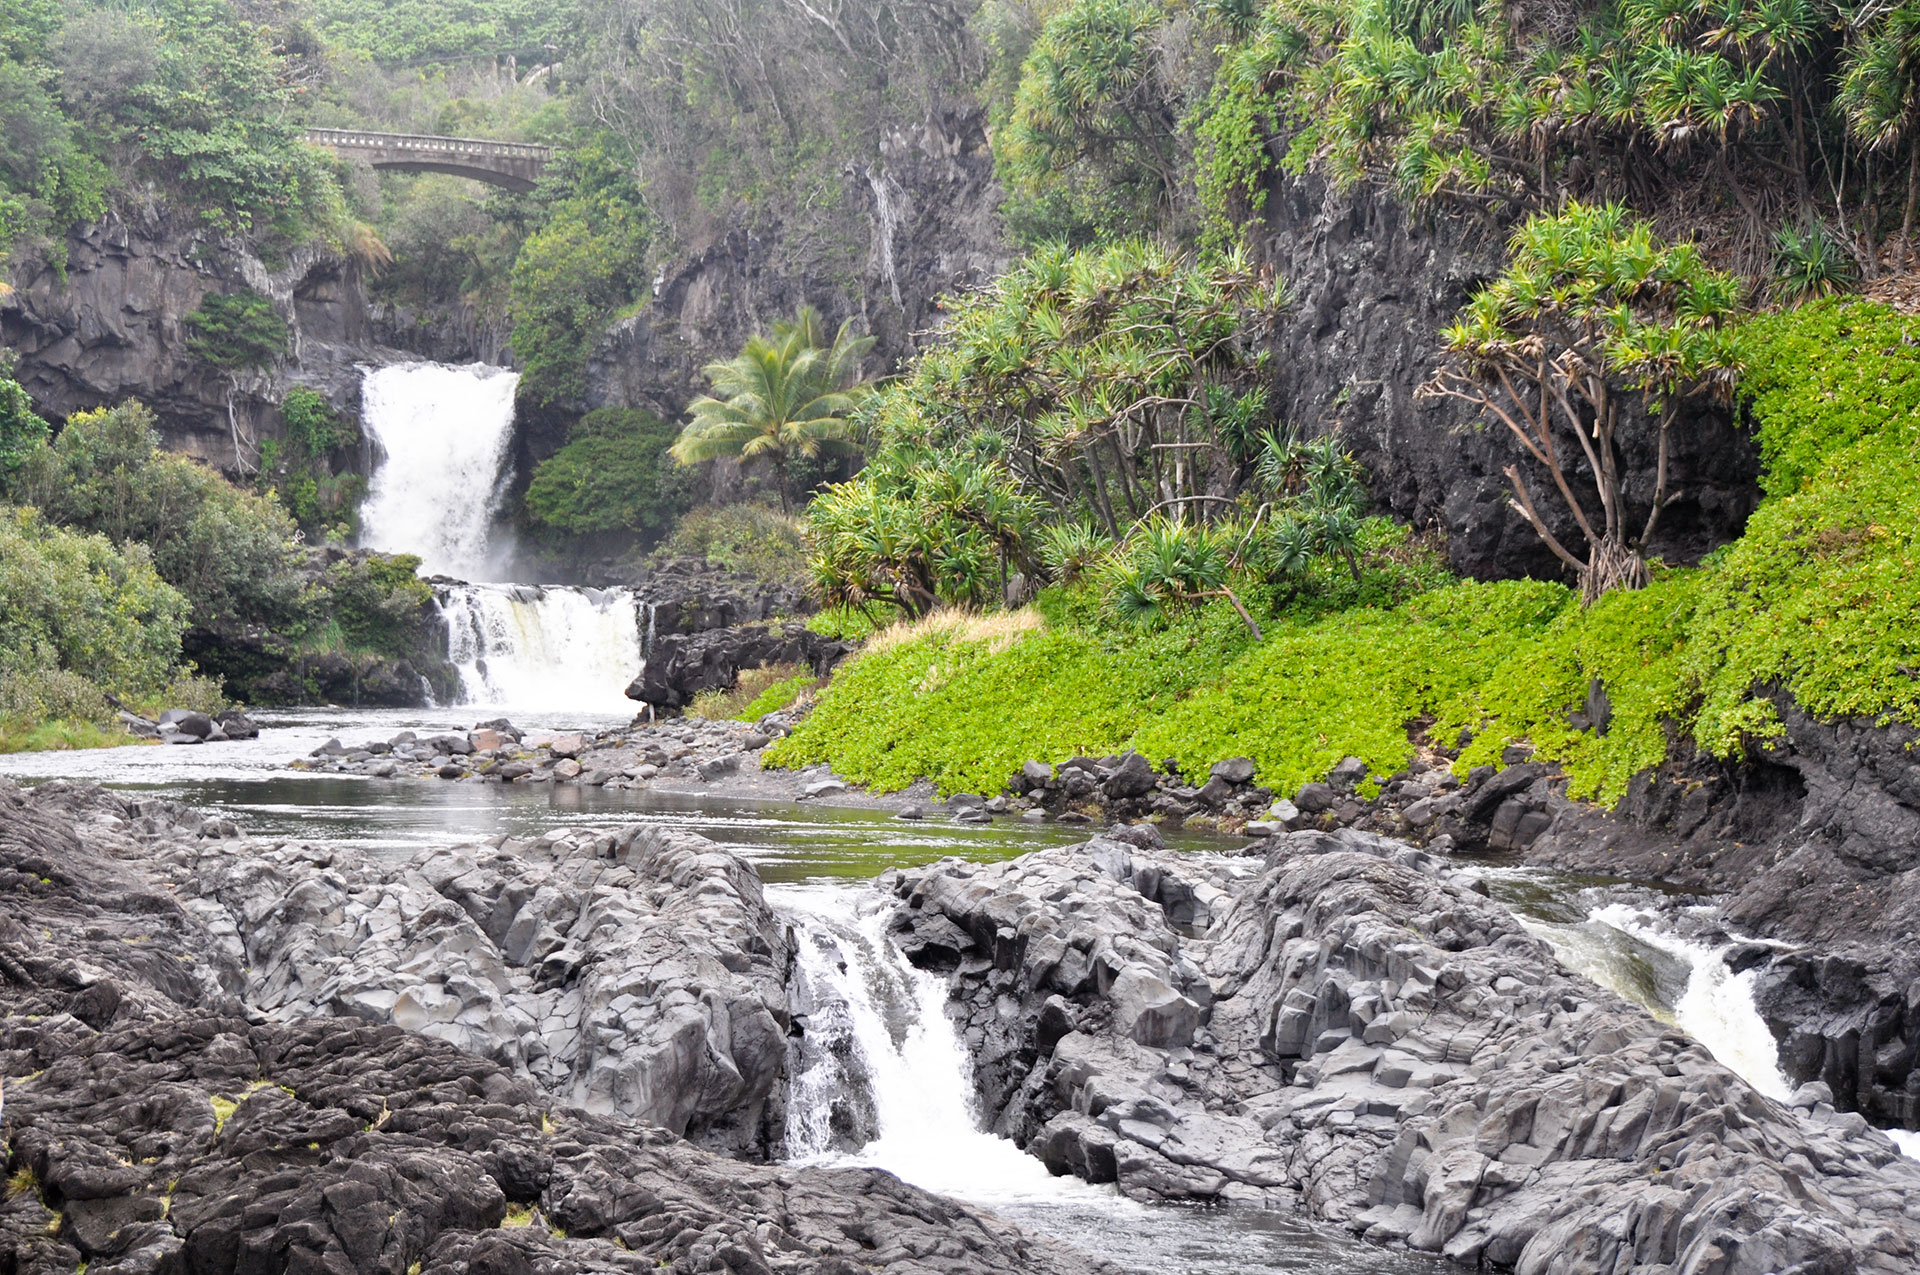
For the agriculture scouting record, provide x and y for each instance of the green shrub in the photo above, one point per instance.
(378, 603)
(20, 430)
(73, 606)
(965, 702)
(231, 552)
(300, 469)
(753, 539)
(241, 330)
(612, 476)
(1823, 375)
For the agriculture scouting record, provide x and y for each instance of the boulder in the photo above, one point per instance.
(1132, 777)
(1347, 774)
(185, 721)
(681, 666)
(1235, 770)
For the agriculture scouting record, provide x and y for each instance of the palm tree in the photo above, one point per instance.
(781, 397)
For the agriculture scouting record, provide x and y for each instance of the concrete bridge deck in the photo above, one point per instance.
(513, 165)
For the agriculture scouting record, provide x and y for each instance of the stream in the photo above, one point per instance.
(894, 1052)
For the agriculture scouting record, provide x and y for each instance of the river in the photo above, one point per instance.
(560, 658)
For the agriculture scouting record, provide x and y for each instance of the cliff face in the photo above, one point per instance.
(920, 224)
(1371, 286)
(111, 326)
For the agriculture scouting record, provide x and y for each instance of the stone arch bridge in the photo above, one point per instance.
(513, 165)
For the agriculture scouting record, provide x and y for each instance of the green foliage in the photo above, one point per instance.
(781, 399)
(302, 471)
(380, 604)
(239, 330)
(751, 539)
(21, 431)
(1631, 644)
(967, 704)
(73, 609)
(1824, 376)
(423, 30)
(847, 624)
(612, 476)
(911, 533)
(1091, 126)
(778, 695)
(229, 551)
(1809, 263)
(585, 260)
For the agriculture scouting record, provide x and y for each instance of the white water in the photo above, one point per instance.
(917, 1069)
(1626, 949)
(444, 434)
(522, 647)
(1907, 1140)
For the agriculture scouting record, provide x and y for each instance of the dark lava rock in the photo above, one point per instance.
(1348, 1027)
(159, 1119)
(680, 666)
(1132, 777)
(186, 722)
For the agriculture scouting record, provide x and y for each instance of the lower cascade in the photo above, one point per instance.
(553, 649)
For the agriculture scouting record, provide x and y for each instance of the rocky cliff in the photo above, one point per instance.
(108, 322)
(1371, 284)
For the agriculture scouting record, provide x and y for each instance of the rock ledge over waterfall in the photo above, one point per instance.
(1350, 1024)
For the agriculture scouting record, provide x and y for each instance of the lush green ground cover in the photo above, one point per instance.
(1820, 598)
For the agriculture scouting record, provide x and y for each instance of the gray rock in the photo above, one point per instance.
(1347, 774)
(1132, 777)
(451, 745)
(452, 770)
(186, 722)
(1038, 774)
(824, 788)
(1235, 770)
(719, 767)
(1288, 1033)
(1314, 798)
(910, 813)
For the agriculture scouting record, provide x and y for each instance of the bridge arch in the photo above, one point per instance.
(511, 165)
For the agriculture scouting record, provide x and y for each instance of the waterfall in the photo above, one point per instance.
(526, 648)
(880, 1076)
(1627, 949)
(443, 435)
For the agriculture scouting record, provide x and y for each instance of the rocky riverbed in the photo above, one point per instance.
(1352, 1026)
(183, 1092)
(573, 1052)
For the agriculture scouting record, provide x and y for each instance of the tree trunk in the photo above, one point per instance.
(1611, 564)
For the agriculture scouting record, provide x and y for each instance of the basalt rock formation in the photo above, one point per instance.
(681, 666)
(167, 1109)
(1351, 1025)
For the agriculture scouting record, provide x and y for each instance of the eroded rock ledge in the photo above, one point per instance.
(1350, 1023)
(168, 1108)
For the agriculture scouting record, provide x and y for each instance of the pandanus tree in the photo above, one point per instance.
(781, 398)
(1592, 318)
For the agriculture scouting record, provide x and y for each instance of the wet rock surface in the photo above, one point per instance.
(158, 1120)
(1351, 1024)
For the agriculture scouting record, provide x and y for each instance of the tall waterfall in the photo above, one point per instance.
(548, 649)
(444, 433)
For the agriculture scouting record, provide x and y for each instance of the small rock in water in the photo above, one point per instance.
(1264, 828)
(911, 812)
(646, 771)
(997, 805)
(972, 814)
(452, 770)
(1033, 816)
(566, 768)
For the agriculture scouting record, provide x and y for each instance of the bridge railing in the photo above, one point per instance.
(467, 147)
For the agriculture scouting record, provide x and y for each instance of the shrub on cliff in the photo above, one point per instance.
(240, 330)
(21, 431)
(612, 477)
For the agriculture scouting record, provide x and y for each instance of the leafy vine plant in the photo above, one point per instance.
(1593, 316)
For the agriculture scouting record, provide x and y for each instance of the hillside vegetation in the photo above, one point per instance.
(1818, 599)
